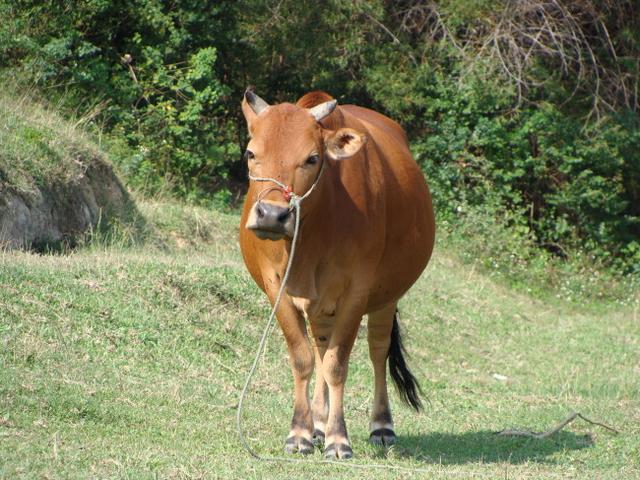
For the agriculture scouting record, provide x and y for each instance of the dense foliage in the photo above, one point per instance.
(525, 109)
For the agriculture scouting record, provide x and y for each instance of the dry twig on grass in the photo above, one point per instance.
(556, 429)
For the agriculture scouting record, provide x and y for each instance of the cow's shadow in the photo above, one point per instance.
(485, 446)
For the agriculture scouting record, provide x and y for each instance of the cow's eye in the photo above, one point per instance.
(312, 160)
(248, 155)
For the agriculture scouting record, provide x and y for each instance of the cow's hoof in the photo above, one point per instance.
(340, 451)
(382, 436)
(318, 437)
(298, 445)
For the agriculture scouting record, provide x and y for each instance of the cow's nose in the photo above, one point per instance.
(270, 220)
(270, 214)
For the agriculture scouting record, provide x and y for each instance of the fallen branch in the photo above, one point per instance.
(556, 429)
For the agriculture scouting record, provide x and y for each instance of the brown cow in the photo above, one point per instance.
(366, 234)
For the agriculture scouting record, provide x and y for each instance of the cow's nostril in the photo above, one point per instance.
(282, 217)
(260, 210)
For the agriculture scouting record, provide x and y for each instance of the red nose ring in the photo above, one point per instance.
(287, 192)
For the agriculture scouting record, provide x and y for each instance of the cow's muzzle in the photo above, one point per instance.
(270, 220)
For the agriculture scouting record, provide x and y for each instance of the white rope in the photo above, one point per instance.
(294, 203)
(294, 200)
(265, 334)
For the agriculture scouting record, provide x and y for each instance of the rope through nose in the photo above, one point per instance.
(287, 190)
(264, 192)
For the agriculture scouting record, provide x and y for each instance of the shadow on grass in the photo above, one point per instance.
(485, 446)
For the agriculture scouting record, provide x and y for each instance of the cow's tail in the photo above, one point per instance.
(405, 382)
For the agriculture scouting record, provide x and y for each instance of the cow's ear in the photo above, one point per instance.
(344, 143)
(252, 106)
(249, 114)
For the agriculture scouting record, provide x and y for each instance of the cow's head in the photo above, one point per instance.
(288, 144)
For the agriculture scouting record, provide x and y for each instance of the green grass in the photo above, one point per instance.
(38, 146)
(127, 363)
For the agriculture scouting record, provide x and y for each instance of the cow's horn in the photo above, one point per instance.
(322, 110)
(257, 104)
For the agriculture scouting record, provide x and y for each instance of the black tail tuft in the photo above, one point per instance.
(405, 382)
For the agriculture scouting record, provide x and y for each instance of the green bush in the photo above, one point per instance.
(147, 72)
(571, 186)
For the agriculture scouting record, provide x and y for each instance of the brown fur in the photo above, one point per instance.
(312, 99)
(367, 232)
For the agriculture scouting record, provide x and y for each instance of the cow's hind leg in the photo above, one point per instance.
(379, 328)
(321, 332)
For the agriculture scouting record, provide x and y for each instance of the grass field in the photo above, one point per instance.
(39, 147)
(126, 362)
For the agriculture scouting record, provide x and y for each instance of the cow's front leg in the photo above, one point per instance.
(335, 365)
(301, 361)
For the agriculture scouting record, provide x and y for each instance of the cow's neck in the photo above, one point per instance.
(312, 250)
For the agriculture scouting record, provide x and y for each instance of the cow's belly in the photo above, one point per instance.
(405, 257)
(394, 282)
